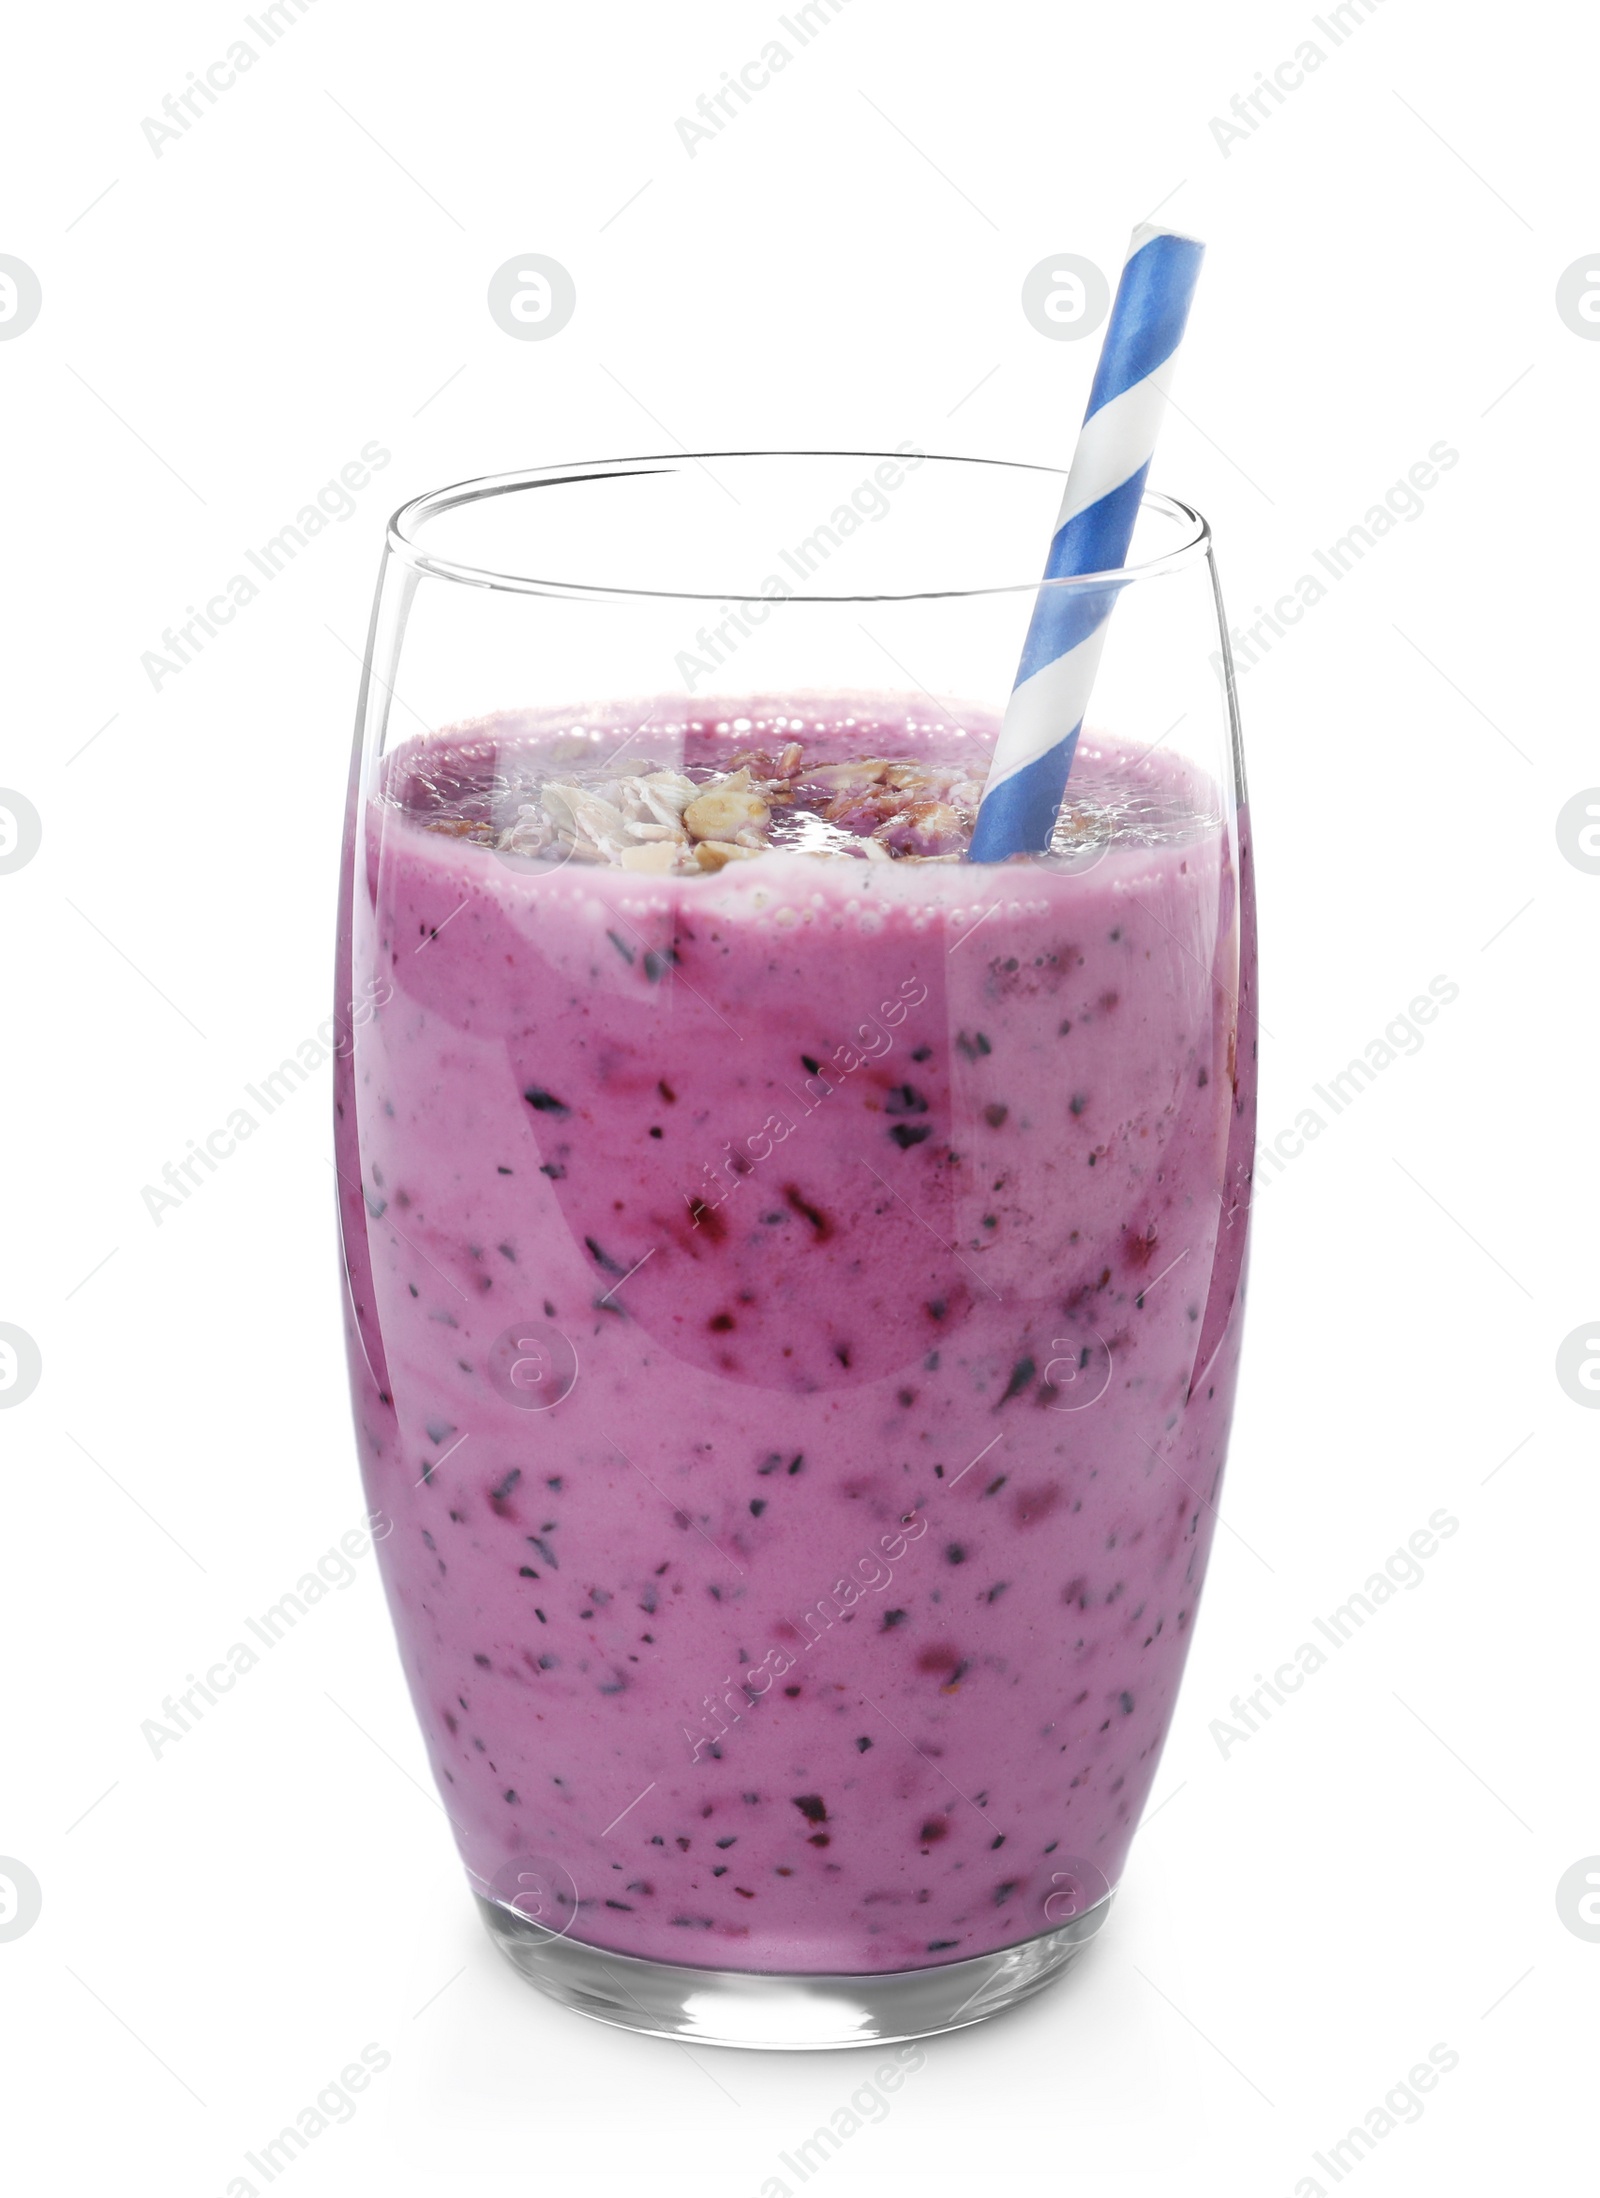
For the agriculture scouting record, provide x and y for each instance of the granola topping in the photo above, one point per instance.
(666, 820)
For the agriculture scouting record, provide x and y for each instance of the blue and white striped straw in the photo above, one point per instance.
(1033, 755)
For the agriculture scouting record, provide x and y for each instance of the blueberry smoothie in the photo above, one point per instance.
(795, 1283)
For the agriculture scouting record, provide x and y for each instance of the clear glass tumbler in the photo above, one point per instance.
(794, 1274)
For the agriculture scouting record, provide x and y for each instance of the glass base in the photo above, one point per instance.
(794, 2014)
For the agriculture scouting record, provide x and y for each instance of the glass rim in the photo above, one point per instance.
(401, 542)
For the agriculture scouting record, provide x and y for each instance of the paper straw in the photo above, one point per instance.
(1033, 755)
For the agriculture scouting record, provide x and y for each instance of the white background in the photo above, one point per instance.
(1371, 1874)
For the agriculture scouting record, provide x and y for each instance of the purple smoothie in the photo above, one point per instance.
(795, 1316)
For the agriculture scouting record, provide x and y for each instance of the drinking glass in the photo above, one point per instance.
(793, 1303)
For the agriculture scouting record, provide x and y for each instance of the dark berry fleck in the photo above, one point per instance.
(1021, 1374)
(807, 1212)
(905, 1099)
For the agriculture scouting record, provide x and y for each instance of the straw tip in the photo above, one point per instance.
(1148, 230)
